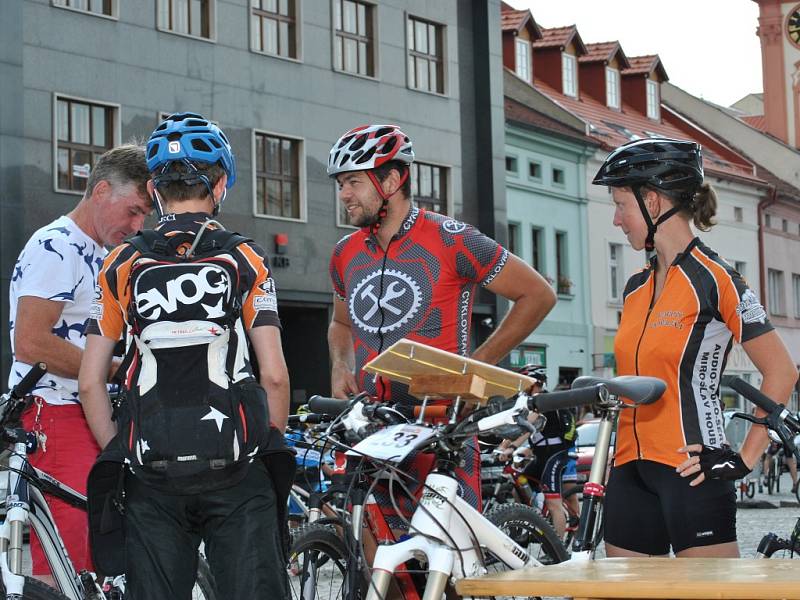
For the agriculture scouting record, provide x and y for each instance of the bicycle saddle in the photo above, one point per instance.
(638, 389)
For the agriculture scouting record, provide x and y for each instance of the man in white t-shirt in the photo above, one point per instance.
(52, 288)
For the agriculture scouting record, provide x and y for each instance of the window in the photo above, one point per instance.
(784, 226)
(187, 17)
(537, 237)
(425, 56)
(354, 41)
(511, 164)
(273, 25)
(563, 282)
(767, 220)
(523, 62)
(612, 87)
(429, 186)
(741, 267)
(84, 131)
(97, 7)
(737, 214)
(569, 75)
(653, 101)
(534, 170)
(277, 170)
(775, 291)
(513, 238)
(558, 176)
(796, 294)
(615, 272)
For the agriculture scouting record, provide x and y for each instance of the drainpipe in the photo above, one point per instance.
(771, 199)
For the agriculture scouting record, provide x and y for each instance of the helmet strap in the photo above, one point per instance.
(157, 203)
(649, 243)
(384, 210)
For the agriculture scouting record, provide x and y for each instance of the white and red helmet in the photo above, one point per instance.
(369, 146)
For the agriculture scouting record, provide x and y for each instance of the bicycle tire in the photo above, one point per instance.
(779, 545)
(526, 526)
(204, 588)
(36, 590)
(751, 490)
(315, 547)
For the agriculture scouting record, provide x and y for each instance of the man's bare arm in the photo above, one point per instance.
(533, 298)
(93, 391)
(274, 375)
(34, 340)
(340, 346)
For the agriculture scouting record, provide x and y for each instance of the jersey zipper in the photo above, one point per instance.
(638, 345)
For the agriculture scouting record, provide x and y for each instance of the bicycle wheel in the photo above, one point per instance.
(772, 546)
(35, 590)
(318, 568)
(204, 586)
(530, 530)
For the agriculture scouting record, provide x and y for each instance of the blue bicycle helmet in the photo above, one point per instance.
(189, 138)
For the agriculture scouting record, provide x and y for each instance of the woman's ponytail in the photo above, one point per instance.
(704, 206)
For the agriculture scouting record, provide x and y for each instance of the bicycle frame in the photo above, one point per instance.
(444, 528)
(26, 503)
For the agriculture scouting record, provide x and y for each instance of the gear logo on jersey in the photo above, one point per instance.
(170, 289)
(750, 308)
(452, 226)
(96, 309)
(385, 305)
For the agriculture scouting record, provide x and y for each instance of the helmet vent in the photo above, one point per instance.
(389, 145)
(200, 145)
(345, 141)
(367, 156)
(358, 142)
(345, 159)
(153, 151)
(214, 143)
(195, 123)
(174, 136)
(384, 131)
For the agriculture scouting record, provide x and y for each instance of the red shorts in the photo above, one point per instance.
(71, 452)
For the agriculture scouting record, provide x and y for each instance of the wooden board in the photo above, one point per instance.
(646, 578)
(405, 359)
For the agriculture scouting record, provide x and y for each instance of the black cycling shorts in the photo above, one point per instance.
(649, 508)
(548, 468)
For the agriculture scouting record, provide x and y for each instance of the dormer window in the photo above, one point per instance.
(569, 75)
(653, 100)
(523, 62)
(612, 88)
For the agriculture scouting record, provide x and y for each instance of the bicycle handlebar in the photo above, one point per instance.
(565, 398)
(755, 395)
(332, 407)
(32, 377)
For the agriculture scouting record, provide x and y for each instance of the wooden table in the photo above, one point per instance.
(646, 578)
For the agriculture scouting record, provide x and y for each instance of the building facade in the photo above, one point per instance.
(283, 80)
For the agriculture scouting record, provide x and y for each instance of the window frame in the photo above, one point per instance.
(776, 293)
(740, 267)
(796, 294)
(653, 109)
(212, 23)
(538, 258)
(616, 263)
(513, 240)
(562, 262)
(563, 171)
(116, 131)
(447, 169)
(372, 19)
(538, 164)
(613, 88)
(738, 214)
(529, 59)
(515, 159)
(114, 16)
(572, 60)
(298, 34)
(441, 33)
(301, 176)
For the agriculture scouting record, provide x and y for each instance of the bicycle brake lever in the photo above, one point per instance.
(522, 420)
(751, 418)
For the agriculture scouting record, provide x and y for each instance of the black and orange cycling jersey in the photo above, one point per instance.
(683, 337)
(113, 294)
(421, 288)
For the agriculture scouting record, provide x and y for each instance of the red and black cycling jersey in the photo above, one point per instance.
(421, 288)
(683, 337)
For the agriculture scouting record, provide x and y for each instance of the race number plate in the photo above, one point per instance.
(393, 443)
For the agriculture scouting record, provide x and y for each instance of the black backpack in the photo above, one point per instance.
(193, 417)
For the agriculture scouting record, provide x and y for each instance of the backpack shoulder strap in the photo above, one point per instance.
(221, 239)
(148, 241)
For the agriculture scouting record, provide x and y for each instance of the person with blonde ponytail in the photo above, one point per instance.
(671, 487)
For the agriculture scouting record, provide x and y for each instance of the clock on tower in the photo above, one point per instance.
(793, 26)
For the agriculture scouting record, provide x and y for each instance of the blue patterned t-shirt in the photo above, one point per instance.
(59, 262)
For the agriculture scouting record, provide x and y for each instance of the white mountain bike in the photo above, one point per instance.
(26, 505)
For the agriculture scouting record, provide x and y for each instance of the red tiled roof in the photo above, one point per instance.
(559, 36)
(604, 51)
(514, 20)
(756, 121)
(613, 128)
(516, 111)
(645, 65)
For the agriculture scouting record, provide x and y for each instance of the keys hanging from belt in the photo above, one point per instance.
(41, 436)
